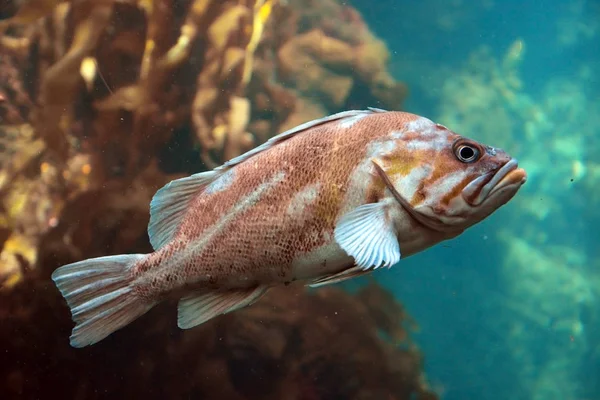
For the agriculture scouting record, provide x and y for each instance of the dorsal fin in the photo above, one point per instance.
(291, 132)
(169, 204)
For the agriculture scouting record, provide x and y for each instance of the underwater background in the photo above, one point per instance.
(102, 103)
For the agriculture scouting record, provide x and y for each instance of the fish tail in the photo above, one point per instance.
(100, 295)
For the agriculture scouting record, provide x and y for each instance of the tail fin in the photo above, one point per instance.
(99, 294)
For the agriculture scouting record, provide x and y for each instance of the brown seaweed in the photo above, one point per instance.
(291, 345)
(101, 103)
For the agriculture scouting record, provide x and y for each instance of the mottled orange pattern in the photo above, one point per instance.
(261, 240)
(244, 235)
(326, 201)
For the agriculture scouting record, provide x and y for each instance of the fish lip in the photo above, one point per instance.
(514, 176)
(508, 174)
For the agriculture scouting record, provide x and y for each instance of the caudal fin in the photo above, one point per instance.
(99, 294)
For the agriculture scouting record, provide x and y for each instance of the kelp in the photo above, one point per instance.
(104, 101)
(324, 344)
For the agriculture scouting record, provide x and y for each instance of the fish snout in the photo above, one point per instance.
(507, 178)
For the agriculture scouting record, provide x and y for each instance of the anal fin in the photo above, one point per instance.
(198, 308)
(346, 274)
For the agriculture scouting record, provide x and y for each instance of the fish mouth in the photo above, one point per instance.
(509, 175)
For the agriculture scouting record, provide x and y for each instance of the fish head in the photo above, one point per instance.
(445, 181)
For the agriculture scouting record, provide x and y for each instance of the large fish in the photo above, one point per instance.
(329, 200)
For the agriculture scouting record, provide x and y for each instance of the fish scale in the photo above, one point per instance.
(299, 172)
(329, 200)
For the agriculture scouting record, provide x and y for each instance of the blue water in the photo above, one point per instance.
(510, 308)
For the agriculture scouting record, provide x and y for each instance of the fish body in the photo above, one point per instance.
(323, 202)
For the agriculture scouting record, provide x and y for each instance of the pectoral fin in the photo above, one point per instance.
(367, 234)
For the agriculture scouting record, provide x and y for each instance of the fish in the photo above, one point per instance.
(329, 200)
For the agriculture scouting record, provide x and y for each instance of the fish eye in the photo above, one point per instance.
(466, 153)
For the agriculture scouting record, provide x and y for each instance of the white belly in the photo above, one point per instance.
(322, 261)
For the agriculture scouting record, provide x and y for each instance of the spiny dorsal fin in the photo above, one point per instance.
(291, 132)
(169, 204)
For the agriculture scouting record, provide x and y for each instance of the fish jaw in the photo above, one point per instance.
(503, 192)
(509, 178)
(511, 182)
(486, 194)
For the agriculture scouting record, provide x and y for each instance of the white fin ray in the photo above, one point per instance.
(375, 109)
(367, 234)
(169, 204)
(99, 294)
(298, 129)
(339, 277)
(196, 309)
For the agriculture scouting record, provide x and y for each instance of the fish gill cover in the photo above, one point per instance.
(101, 103)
